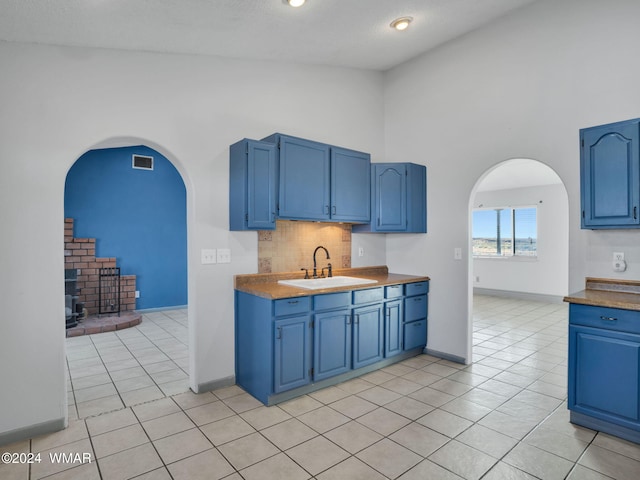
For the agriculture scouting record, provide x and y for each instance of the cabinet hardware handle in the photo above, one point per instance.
(279, 336)
(417, 299)
(348, 318)
(417, 324)
(608, 319)
(357, 319)
(635, 213)
(292, 302)
(327, 209)
(333, 210)
(273, 216)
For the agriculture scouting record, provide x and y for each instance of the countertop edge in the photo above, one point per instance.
(604, 298)
(273, 291)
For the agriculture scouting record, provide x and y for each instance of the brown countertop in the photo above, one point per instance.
(603, 292)
(266, 284)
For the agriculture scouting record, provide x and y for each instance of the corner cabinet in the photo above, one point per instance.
(610, 175)
(253, 175)
(321, 182)
(398, 199)
(604, 370)
(288, 347)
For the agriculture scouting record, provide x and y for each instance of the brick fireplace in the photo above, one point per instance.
(80, 254)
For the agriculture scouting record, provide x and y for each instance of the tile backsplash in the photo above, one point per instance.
(290, 246)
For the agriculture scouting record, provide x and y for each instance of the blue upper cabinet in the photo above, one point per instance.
(304, 178)
(321, 182)
(350, 185)
(398, 199)
(610, 175)
(253, 174)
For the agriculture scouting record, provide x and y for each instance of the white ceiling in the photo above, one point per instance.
(518, 173)
(352, 33)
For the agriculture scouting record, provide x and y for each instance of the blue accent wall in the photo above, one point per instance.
(137, 216)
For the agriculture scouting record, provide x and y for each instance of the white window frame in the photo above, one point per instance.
(512, 255)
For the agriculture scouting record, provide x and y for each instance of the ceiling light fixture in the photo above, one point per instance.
(296, 3)
(401, 23)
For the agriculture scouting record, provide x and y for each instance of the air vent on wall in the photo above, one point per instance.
(142, 162)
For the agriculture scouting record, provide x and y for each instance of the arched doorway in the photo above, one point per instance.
(518, 234)
(132, 199)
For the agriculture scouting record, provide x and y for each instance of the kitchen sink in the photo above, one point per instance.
(327, 282)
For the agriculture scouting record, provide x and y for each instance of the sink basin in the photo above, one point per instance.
(328, 282)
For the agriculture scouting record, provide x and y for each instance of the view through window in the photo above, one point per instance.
(505, 232)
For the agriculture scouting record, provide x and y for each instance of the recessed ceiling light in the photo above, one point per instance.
(401, 23)
(296, 3)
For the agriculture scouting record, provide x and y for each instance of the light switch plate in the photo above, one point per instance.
(224, 255)
(208, 256)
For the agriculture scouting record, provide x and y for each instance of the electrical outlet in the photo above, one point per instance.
(208, 256)
(457, 253)
(224, 255)
(618, 256)
(360, 251)
(137, 293)
(477, 279)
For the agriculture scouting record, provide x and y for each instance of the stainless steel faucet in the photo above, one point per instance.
(315, 271)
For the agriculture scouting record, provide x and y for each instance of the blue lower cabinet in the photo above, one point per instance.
(415, 334)
(292, 347)
(331, 344)
(604, 370)
(368, 335)
(393, 333)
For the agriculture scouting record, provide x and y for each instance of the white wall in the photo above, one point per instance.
(545, 274)
(57, 103)
(520, 88)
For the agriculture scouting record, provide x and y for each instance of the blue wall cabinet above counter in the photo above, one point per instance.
(398, 199)
(610, 175)
(253, 177)
(321, 182)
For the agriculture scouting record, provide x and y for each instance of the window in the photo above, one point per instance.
(505, 232)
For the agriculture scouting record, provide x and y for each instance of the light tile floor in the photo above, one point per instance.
(503, 417)
(114, 370)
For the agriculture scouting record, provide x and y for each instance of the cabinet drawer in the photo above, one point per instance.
(608, 318)
(369, 295)
(415, 334)
(393, 291)
(331, 300)
(417, 288)
(415, 308)
(290, 306)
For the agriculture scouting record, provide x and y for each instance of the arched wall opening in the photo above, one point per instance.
(147, 210)
(509, 187)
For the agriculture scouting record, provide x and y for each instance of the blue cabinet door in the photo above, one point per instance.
(331, 344)
(604, 375)
(292, 351)
(253, 175)
(390, 197)
(350, 185)
(398, 199)
(368, 335)
(393, 333)
(610, 175)
(304, 179)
